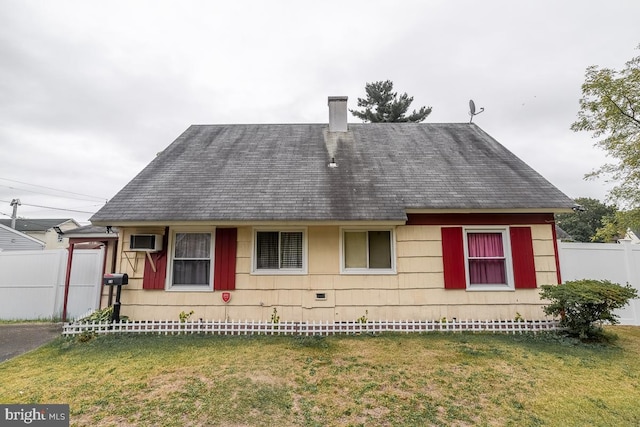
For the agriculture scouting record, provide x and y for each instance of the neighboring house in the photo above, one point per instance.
(334, 222)
(563, 235)
(633, 235)
(13, 240)
(43, 229)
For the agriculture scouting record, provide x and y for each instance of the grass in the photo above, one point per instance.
(429, 379)
(34, 321)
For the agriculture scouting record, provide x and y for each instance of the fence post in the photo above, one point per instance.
(633, 276)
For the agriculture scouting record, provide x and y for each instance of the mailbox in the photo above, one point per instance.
(115, 279)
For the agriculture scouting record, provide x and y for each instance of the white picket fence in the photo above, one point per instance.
(307, 328)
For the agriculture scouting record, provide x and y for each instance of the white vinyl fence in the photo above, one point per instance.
(617, 262)
(32, 283)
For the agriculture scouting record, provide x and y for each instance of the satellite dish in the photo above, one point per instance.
(472, 110)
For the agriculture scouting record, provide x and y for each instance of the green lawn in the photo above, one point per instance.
(429, 379)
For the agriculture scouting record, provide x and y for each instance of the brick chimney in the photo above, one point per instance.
(337, 114)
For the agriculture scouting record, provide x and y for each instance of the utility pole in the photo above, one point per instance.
(15, 203)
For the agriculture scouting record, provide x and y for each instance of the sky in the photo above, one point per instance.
(91, 91)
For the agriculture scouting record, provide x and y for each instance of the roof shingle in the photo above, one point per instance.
(280, 172)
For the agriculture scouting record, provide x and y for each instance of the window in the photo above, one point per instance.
(486, 261)
(191, 262)
(185, 261)
(367, 250)
(279, 251)
(488, 258)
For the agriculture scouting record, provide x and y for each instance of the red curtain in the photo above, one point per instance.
(486, 258)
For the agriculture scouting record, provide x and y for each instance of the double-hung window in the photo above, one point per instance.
(191, 259)
(486, 254)
(279, 251)
(367, 251)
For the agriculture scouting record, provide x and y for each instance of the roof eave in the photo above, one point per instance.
(254, 223)
(492, 210)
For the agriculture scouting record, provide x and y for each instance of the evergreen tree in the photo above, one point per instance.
(384, 105)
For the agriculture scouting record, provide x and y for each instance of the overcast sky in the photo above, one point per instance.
(90, 91)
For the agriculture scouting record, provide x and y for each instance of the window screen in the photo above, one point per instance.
(367, 249)
(279, 250)
(379, 249)
(267, 250)
(291, 250)
(355, 249)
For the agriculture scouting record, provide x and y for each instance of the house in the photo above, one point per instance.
(563, 235)
(14, 240)
(633, 236)
(44, 229)
(331, 222)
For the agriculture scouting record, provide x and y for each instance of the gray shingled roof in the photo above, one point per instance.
(37, 224)
(281, 172)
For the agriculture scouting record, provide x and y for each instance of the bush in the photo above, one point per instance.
(582, 303)
(101, 316)
(98, 316)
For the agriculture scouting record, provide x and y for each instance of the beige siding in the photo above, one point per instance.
(415, 291)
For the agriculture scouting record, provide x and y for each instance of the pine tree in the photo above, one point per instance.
(384, 105)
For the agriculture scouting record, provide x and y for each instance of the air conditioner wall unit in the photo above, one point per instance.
(145, 242)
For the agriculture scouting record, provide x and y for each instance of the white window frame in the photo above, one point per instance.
(169, 286)
(368, 271)
(506, 243)
(279, 271)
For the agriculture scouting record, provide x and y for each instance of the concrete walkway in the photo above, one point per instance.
(16, 339)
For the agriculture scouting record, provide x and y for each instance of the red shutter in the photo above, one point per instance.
(155, 279)
(524, 269)
(453, 258)
(224, 276)
(555, 252)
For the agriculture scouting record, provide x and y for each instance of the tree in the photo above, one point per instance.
(615, 226)
(583, 225)
(610, 109)
(384, 105)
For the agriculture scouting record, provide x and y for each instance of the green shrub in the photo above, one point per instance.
(101, 316)
(98, 316)
(275, 318)
(582, 303)
(363, 318)
(184, 316)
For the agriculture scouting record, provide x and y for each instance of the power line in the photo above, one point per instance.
(58, 209)
(45, 194)
(52, 208)
(54, 189)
